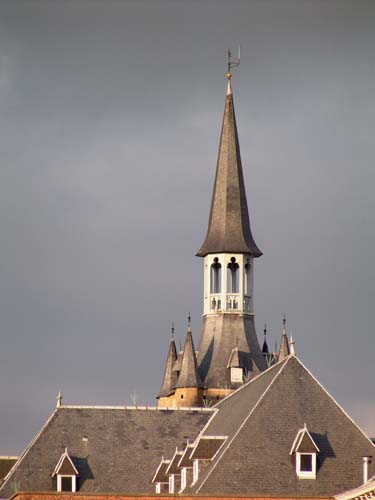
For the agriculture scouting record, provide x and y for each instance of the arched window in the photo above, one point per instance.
(232, 276)
(215, 277)
(247, 283)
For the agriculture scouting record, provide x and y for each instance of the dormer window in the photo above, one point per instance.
(66, 473)
(304, 451)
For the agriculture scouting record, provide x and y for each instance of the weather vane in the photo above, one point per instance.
(233, 64)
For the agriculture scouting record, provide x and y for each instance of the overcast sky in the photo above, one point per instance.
(110, 115)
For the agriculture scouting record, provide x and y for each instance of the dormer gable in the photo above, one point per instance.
(305, 451)
(66, 473)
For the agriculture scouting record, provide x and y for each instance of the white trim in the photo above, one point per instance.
(285, 361)
(197, 441)
(61, 460)
(183, 479)
(171, 461)
(304, 474)
(59, 483)
(195, 471)
(336, 403)
(158, 488)
(28, 447)
(217, 405)
(183, 453)
(171, 484)
(159, 466)
(360, 490)
(298, 440)
(154, 408)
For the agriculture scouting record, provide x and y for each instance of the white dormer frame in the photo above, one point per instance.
(301, 471)
(306, 474)
(60, 477)
(195, 471)
(59, 482)
(171, 484)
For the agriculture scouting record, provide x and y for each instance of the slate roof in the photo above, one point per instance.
(161, 475)
(262, 419)
(189, 374)
(220, 335)
(170, 376)
(185, 460)
(114, 449)
(206, 447)
(229, 223)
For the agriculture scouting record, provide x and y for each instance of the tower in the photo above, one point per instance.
(228, 352)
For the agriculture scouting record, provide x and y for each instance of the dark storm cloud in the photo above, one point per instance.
(109, 125)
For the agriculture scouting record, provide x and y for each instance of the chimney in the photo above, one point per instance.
(365, 461)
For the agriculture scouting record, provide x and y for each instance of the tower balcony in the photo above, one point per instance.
(229, 302)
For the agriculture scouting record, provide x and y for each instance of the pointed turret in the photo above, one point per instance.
(229, 225)
(265, 346)
(170, 377)
(284, 350)
(189, 375)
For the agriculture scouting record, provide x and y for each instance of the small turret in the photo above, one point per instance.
(170, 377)
(188, 388)
(265, 346)
(284, 350)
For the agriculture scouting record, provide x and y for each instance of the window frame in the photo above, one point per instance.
(304, 474)
(59, 483)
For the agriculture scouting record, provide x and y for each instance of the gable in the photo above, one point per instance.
(65, 467)
(256, 461)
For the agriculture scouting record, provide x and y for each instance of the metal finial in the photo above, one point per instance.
(172, 331)
(232, 64)
(189, 323)
(58, 399)
(284, 321)
(265, 329)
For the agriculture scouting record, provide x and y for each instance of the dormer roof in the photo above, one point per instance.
(304, 443)
(206, 447)
(161, 475)
(173, 467)
(185, 460)
(65, 466)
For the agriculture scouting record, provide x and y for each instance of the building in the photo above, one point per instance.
(228, 349)
(273, 430)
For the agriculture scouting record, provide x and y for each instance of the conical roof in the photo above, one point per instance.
(189, 375)
(229, 224)
(170, 377)
(284, 350)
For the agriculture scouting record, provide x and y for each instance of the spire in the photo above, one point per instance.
(229, 225)
(284, 343)
(189, 375)
(169, 378)
(265, 346)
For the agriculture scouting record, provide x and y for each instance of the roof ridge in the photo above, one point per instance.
(249, 382)
(334, 400)
(227, 445)
(151, 408)
(27, 449)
